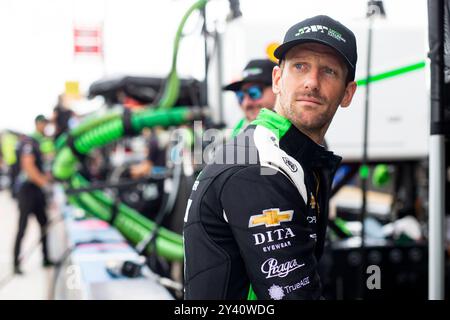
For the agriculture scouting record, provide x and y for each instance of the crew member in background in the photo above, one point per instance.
(30, 184)
(254, 91)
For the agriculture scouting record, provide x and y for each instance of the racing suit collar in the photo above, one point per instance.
(295, 142)
(271, 120)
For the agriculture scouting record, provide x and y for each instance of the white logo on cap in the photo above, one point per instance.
(319, 28)
(251, 72)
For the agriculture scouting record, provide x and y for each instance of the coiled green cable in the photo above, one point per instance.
(99, 136)
(148, 224)
(65, 161)
(98, 132)
(94, 121)
(134, 226)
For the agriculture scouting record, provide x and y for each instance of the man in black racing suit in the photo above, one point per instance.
(256, 219)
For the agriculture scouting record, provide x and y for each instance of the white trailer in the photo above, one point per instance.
(399, 98)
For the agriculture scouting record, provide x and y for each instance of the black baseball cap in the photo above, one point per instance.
(259, 70)
(41, 118)
(325, 30)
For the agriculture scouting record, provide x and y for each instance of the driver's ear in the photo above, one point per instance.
(276, 76)
(348, 95)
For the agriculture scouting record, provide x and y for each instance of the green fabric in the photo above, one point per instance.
(46, 145)
(271, 120)
(238, 127)
(37, 136)
(8, 144)
(251, 294)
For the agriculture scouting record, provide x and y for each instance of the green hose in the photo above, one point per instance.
(134, 232)
(88, 124)
(74, 201)
(94, 121)
(61, 142)
(172, 87)
(65, 164)
(148, 224)
(65, 161)
(163, 118)
(100, 131)
(99, 136)
(134, 226)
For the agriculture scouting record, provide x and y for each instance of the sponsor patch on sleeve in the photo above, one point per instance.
(270, 218)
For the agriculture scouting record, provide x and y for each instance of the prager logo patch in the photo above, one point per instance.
(271, 268)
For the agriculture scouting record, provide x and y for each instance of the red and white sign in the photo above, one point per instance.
(88, 40)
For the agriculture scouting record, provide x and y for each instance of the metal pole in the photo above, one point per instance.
(366, 132)
(437, 173)
(436, 218)
(364, 170)
(219, 66)
(204, 90)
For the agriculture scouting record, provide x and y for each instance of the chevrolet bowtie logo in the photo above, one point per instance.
(270, 218)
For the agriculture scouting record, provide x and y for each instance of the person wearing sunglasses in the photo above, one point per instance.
(256, 219)
(253, 91)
